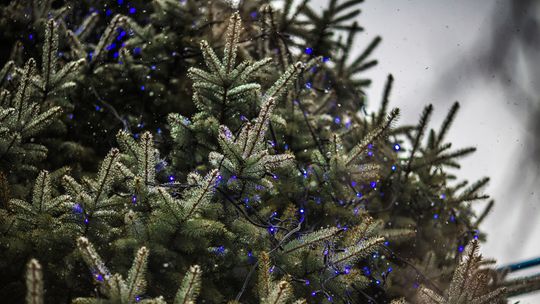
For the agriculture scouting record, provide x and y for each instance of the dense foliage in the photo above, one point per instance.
(203, 150)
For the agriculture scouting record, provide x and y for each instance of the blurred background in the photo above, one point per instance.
(486, 55)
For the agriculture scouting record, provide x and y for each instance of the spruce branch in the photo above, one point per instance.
(372, 137)
(113, 286)
(190, 288)
(246, 156)
(468, 285)
(34, 283)
(45, 208)
(447, 123)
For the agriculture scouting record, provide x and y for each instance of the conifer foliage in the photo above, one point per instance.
(212, 153)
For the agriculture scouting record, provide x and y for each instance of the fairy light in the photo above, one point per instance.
(77, 208)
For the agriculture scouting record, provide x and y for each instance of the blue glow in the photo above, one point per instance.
(397, 147)
(220, 250)
(137, 51)
(394, 168)
(366, 270)
(373, 184)
(460, 248)
(436, 216)
(111, 46)
(308, 51)
(132, 10)
(77, 208)
(143, 88)
(309, 85)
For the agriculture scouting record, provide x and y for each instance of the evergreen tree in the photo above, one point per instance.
(228, 150)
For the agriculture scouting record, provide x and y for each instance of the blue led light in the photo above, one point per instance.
(308, 51)
(77, 208)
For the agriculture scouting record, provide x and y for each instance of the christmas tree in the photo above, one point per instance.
(201, 151)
